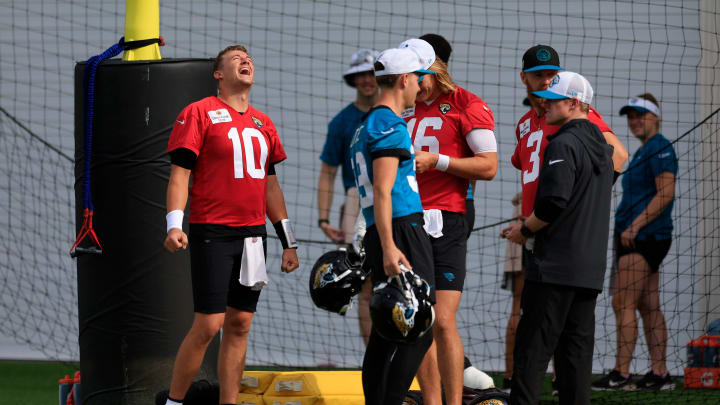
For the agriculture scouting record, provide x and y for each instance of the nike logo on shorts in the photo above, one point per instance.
(181, 122)
(552, 162)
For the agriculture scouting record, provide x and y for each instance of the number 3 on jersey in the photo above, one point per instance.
(252, 170)
(531, 175)
(363, 181)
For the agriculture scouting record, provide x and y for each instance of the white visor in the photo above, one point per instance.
(422, 48)
(640, 104)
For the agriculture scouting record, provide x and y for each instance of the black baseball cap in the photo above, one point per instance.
(440, 45)
(541, 57)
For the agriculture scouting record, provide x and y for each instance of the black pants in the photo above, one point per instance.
(388, 367)
(555, 319)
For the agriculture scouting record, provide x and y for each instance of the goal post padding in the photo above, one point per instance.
(134, 300)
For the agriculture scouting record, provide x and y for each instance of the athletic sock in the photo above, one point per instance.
(626, 376)
(171, 401)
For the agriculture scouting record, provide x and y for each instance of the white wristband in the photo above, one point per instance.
(443, 162)
(174, 219)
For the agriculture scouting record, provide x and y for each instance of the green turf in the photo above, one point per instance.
(32, 382)
(680, 395)
(36, 383)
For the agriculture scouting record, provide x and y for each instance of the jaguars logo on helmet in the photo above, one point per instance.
(404, 318)
(320, 280)
(400, 308)
(335, 279)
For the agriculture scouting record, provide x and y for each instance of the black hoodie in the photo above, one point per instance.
(574, 192)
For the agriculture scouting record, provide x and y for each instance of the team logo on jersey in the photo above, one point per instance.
(543, 55)
(257, 122)
(444, 108)
(524, 127)
(409, 112)
(555, 81)
(218, 116)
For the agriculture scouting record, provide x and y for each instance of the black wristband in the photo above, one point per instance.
(283, 234)
(526, 232)
(322, 221)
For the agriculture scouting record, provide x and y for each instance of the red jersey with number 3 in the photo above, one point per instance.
(441, 127)
(233, 155)
(531, 133)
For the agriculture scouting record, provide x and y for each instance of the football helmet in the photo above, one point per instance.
(401, 309)
(335, 279)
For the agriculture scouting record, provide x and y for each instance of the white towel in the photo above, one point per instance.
(252, 267)
(433, 222)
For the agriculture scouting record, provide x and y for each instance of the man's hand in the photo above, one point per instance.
(335, 234)
(513, 233)
(289, 260)
(627, 238)
(425, 161)
(391, 258)
(175, 240)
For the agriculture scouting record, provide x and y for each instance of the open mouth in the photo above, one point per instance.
(245, 71)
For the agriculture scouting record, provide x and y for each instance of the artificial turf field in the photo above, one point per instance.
(35, 383)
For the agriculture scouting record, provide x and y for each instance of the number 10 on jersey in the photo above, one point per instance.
(247, 135)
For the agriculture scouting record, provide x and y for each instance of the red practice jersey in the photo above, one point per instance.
(233, 155)
(440, 127)
(531, 133)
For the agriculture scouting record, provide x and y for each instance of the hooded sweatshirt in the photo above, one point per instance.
(574, 192)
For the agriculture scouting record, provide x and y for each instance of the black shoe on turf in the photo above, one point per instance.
(613, 381)
(555, 390)
(650, 381)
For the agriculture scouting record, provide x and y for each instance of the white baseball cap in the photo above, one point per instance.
(397, 61)
(568, 85)
(360, 61)
(422, 48)
(640, 104)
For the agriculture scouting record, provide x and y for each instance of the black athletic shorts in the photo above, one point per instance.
(469, 215)
(654, 251)
(215, 268)
(450, 251)
(412, 240)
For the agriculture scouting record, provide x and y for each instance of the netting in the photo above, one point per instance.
(301, 48)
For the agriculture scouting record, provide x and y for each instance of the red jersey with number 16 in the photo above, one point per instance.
(441, 127)
(531, 133)
(233, 154)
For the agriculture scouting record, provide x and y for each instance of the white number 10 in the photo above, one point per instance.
(248, 134)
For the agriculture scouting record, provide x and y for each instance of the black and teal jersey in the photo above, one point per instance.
(381, 134)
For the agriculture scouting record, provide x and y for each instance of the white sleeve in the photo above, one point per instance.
(481, 141)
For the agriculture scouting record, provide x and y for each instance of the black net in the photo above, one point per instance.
(300, 49)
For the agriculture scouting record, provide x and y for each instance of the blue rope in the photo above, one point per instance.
(89, 84)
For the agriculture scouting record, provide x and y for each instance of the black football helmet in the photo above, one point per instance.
(335, 279)
(401, 309)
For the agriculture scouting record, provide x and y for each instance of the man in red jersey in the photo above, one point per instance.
(231, 150)
(541, 64)
(452, 132)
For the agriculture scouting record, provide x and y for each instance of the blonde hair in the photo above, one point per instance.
(442, 76)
